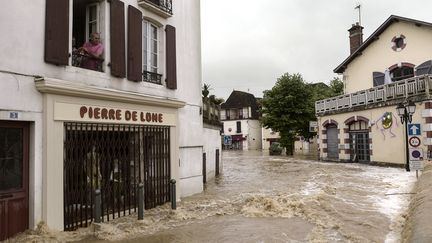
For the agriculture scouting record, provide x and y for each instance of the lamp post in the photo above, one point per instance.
(405, 111)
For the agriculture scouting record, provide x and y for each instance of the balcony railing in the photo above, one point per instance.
(161, 7)
(419, 85)
(211, 112)
(85, 61)
(155, 78)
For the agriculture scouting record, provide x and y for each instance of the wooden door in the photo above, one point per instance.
(14, 150)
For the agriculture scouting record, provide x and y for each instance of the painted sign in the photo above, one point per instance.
(414, 141)
(414, 129)
(95, 113)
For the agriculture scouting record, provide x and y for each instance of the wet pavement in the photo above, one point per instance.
(261, 198)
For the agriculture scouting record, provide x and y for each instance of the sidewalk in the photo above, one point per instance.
(418, 227)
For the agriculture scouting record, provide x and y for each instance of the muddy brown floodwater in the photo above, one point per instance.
(261, 198)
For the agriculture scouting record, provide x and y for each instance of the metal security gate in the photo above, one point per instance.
(359, 146)
(115, 159)
(332, 142)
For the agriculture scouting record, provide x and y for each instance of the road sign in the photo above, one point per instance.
(416, 165)
(415, 154)
(414, 141)
(414, 129)
(313, 126)
(227, 140)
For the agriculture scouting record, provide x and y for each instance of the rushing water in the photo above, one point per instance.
(261, 198)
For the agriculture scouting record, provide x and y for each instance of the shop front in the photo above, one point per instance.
(106, 142)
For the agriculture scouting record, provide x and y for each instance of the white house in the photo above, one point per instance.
(392, 67)
(67, 130)
(240, 118)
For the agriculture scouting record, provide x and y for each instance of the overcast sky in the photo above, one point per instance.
(248, 44)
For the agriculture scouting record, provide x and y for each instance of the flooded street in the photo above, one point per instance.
(261, 198)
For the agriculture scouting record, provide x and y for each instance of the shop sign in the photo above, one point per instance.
(94, 113)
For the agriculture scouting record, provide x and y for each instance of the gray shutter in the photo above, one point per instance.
(171, 62)
(117, 36)
(378, 78)
(134, 63)
(57, 32)
(424, 68)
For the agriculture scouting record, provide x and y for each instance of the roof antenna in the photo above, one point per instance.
(359, 10)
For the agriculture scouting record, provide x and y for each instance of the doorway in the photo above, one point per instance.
(332, 142)
(14, 199)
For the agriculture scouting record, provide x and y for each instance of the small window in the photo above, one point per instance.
(151, 72)
(238, 127)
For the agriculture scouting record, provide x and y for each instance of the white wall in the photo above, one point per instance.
(254, 135)
(211, 143)
(267, 133)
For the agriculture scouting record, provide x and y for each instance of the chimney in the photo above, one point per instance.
(356, 37)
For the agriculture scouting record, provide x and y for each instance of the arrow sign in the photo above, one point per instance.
(414, 129)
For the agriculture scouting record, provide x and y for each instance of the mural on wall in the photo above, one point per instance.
(385, 123)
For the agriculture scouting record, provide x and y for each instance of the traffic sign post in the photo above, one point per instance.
(414, 129)
(414, 142)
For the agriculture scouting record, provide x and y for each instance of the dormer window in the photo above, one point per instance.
(402, 72)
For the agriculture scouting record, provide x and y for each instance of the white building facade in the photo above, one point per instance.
(240, 118)
(68, 129)
(390, 68)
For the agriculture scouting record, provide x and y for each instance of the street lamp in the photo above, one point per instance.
(405, 111)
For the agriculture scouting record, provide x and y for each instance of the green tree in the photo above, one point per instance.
(337, 86)
(288, 107)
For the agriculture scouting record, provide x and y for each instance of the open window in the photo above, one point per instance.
(87, 36)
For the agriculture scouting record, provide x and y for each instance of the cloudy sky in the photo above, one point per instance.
(248, 44)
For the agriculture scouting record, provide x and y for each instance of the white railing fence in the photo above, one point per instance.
(400, 89)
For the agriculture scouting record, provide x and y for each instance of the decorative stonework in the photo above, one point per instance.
(427, 115)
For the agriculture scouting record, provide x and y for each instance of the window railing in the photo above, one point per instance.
(151, 77)
(419, 85)
(164, 5)
(88, 62)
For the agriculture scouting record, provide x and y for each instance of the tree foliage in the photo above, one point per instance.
(289, 106)
(337, 86)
